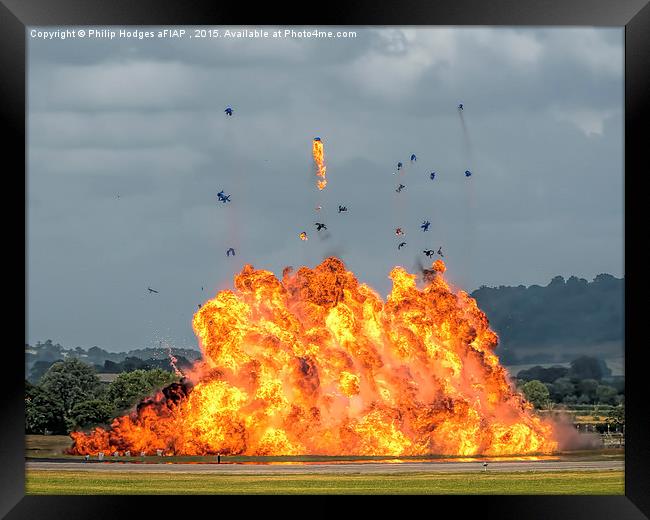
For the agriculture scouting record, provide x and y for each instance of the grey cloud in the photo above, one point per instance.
(145, 120)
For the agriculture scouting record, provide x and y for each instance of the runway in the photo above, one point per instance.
(339, 468)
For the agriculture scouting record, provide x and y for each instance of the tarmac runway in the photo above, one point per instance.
(340, 468)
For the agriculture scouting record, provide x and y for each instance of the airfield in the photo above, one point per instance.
(596, 472)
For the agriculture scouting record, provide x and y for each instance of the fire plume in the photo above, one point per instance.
(318, 363)
(319, 159)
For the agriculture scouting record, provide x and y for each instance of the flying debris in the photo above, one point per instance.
(342, 208)
(460, 106)
(118, 195)
(440, 251)
(401, 245)
(198, 306)
(432, 175)
(429, 252)
(425, 225)
(229, 251)
(398, 231)
(228, 110)
(400, 188)
(319, 159)
(399, 166)
(303, 236)
(221, 196)
(320, 226)
(318, 208)
(468, 173)
(413, 158)
(151, 290)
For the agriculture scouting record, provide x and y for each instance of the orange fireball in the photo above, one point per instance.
(318, 363)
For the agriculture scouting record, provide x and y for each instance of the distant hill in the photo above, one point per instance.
(548, 324)
(41, 355)
(557, 322)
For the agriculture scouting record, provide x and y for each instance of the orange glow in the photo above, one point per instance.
(318, 363)
(319, 159)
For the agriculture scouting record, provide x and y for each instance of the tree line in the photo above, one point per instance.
(541, 324)
(586, 381)
(70, 396)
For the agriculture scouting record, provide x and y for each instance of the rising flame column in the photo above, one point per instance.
(317, 152)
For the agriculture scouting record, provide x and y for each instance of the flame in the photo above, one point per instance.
(318, 363)
(303, 236)
(173, 360)
(319, 159)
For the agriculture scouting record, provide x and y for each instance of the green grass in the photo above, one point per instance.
(122, 483)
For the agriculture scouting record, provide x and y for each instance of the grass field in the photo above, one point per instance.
(529, 483)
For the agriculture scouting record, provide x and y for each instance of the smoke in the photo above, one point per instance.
(467, 145)
(569, 439)
(418, 265)
(467, 251)
(324, 237)
(337, 251)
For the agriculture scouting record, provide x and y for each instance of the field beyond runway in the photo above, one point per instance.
(55, 482)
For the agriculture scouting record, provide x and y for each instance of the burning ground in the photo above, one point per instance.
(317, 363)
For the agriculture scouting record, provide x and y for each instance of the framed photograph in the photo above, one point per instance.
(380, 252)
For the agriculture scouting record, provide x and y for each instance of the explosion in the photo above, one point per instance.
(318, 363)
(319, 159)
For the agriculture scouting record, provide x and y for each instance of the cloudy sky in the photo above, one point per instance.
(144, 119)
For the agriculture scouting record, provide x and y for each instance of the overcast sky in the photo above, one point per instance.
(144, 119)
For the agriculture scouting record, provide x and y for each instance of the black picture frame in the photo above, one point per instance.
(634, 15)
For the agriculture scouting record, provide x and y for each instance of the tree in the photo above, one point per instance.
(39, 368)
(536, 393)
(129, 388)
(111, 367)
(70, 382)
(584, 399)
(570, 399)
(42, 412)
(606, 394)
(90, 413)
(589, 389)
(131, 364)
(561, 389)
